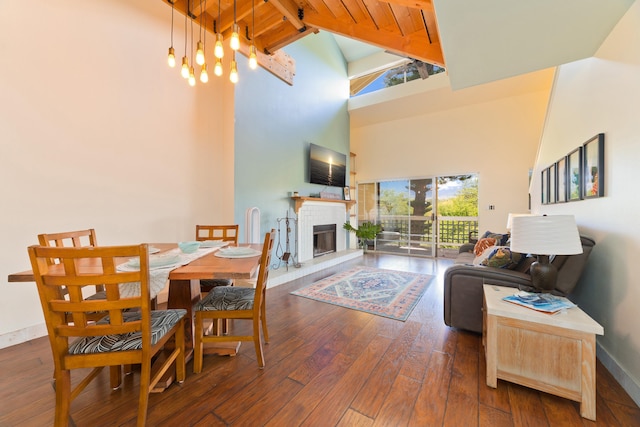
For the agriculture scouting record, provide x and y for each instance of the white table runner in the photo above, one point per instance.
(158, 276)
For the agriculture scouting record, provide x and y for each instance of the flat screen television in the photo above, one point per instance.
(327, 167)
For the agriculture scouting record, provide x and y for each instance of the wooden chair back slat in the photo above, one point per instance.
(225, 233)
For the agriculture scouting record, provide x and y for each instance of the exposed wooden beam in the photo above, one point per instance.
(279, 64)
(277, 40)
(290, 11)
(415, 45)
(415, 4)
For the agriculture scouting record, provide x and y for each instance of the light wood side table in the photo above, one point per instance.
(554, 353)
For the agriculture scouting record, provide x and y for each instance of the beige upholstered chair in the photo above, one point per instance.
(131, 333)
(235, 302)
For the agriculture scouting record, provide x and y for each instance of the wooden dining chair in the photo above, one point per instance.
(235, 302)
(131, 333)
(76, 239)
(224, 233)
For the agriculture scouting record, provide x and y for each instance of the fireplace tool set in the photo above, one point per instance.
(284, 255)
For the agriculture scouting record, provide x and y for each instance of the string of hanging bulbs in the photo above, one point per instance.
(187, 71)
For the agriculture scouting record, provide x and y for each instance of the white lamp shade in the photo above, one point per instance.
(511, 216)
(545, 235)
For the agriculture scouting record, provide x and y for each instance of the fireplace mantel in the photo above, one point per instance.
(300, 200)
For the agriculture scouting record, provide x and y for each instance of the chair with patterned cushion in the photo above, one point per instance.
(237, 303)
(131, 333)
(222, 233)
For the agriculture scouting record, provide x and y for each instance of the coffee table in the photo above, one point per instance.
(554, 353)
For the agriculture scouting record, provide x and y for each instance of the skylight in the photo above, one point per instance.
(392, 76)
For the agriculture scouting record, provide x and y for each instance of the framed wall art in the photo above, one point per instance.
(593, 171)
(561, 171)
(545, 186)
(574, 174)
(347, 193)
(552, 184)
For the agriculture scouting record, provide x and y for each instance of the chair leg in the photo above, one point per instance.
(257, 342)
(197, 346)
(263, 315)
(181, 373)
(115, 376)
(143, 401)
(63, 398)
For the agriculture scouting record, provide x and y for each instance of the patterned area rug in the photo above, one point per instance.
(386, 293)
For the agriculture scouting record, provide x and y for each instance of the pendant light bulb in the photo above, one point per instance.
(171, 58)
(192, 77)
(253, 57)
(218, 50)
(185, 67)
(199, 54)
(233, 75)
(204, 75)
(235, 37)
(217, 70)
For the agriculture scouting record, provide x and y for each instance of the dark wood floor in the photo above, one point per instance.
(326, 366)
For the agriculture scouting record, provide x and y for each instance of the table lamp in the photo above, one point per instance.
(513, 215)
(544, 236)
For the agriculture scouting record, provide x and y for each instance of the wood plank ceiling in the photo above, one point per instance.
(404, 27)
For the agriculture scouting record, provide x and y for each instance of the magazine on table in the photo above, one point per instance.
(542, 302)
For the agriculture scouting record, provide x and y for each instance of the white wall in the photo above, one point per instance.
(98, 132)
(602, 94)
(274, 124)
(477, 132)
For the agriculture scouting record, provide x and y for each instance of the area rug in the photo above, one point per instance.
(386, 293)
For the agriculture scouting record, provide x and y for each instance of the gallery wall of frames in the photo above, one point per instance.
(577, 176)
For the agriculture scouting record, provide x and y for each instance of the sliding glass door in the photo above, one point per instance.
(457, 208)
(406, 211)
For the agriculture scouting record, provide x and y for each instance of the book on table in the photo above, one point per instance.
(544, 302)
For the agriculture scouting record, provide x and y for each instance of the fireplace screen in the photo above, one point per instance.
(324, 239)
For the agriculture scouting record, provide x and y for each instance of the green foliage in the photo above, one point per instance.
(464, 203)
(366, 230)
(393, 203)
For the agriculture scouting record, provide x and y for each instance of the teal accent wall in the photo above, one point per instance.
(275, 122)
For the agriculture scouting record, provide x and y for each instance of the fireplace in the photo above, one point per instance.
(319, 212)
(324, 239)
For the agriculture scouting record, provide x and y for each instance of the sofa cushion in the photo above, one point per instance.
(502, 238)
(483, 244)
(503, 257)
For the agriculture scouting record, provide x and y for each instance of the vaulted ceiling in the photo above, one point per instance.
(404, 27)
(482, 41)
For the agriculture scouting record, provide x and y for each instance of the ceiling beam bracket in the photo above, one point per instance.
(300, 14)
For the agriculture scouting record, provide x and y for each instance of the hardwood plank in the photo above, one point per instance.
(526, 406)
(395, 410)
(337, 401)
(497, 398)
(462, 403)
(355, 419)
(489, 416)
(369, 400)
(300, 406)
(431, 402)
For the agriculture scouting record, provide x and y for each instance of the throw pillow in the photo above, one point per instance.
(503, 257)
(483, 244)
(478, 260)
(501, 238)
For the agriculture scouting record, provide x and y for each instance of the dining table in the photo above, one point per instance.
(184, 289)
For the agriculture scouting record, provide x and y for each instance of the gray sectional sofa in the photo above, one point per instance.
(463, 283)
